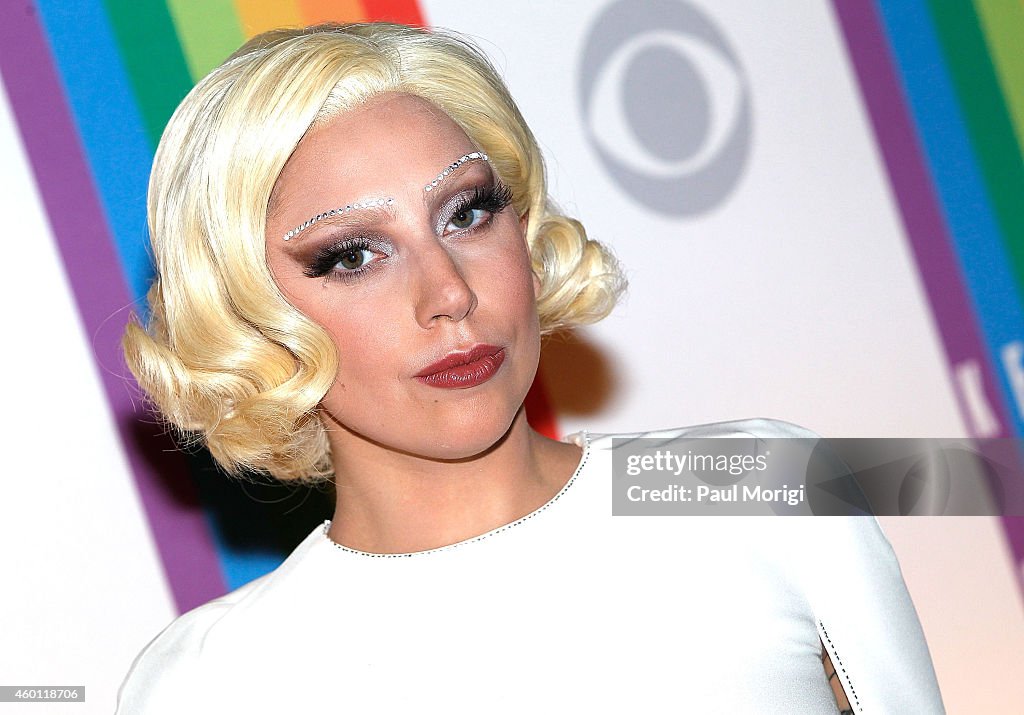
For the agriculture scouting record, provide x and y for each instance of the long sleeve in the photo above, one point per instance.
(866, 618)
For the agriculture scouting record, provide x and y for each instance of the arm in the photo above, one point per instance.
(842, 702)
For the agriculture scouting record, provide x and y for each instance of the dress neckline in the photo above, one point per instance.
(575, 438)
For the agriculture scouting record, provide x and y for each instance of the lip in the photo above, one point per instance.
(462, 369)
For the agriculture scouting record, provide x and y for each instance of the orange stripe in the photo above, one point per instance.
(256, 16)
(406, 12)
(316, 11)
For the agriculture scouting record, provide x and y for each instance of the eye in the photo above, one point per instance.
(355, 258)
(466, 218)
(348, 258)
(473, 209)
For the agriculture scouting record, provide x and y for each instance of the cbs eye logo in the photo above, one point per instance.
(665, 105)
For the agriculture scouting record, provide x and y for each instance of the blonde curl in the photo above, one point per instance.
(224, 357)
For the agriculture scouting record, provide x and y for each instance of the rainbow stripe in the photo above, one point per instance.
(92, 84)
(930, 77)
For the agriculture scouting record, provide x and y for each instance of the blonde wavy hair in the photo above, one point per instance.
(224, 357)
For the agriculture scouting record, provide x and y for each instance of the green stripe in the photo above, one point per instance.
(152, 56)
(1003, 24)
(209, 31)
(989, 126)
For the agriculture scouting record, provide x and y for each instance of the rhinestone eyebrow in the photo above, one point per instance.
(472, 156)
(373, 203)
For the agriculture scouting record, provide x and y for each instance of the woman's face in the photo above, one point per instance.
(427, 294)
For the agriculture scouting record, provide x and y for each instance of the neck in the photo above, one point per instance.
(394, 502)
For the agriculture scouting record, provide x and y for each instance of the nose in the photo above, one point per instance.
(442, 291)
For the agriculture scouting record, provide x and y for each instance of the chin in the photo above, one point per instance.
(467, 437)
(459, 429)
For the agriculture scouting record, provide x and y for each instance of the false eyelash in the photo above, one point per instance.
(491, 198)
(324, 261)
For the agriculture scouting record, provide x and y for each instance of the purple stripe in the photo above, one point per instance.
(94, 274)
(919, 207)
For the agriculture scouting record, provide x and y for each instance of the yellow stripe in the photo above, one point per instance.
(258, 16)
(315, 11)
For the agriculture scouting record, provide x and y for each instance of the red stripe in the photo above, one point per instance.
(538, 410)
(406, 12)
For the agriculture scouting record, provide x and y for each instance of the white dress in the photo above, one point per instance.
(567, 610)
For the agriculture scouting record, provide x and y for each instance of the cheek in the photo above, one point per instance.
(362, 335)
(367, 383)
(512, 298)
(506, 298)
(528, 289)
(361, 326)
(512, 272)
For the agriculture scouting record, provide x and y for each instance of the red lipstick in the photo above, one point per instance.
(464, 369)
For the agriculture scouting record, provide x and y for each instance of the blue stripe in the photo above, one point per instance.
(968, 212)
(240, 567)
(109, 124)
(120, 156)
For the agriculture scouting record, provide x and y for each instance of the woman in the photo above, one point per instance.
(356, 259)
